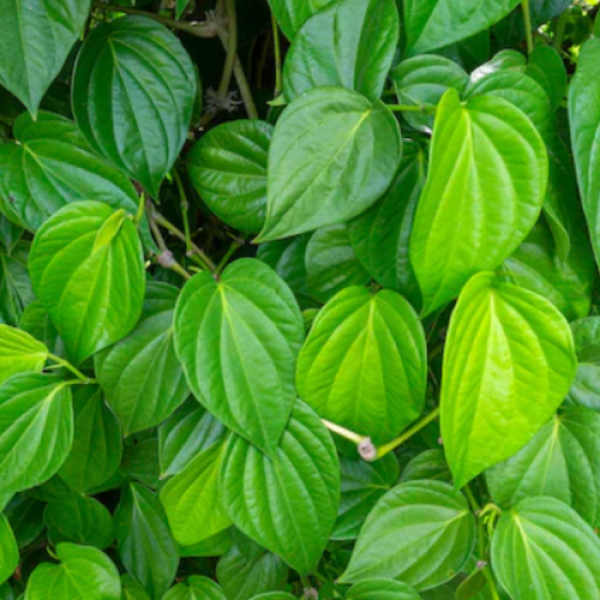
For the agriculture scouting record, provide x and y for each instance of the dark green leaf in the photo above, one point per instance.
(382, 589)
(291, 14)
(9, 552)
(547, 67)
(429, 464)
(195, 588)
(15, 286)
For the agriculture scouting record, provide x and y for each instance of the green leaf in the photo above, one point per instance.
(505, 60)
(325, 124)
(421, 533)
(586, 387)
(87, 268)
(140, 375)
(185, 434)
(362, 485)
(96, 451)
(26, 517)
(180, 6)
(228, 168)
(508, 364)
(546, 66)
(9, 552)
(237, 340)
(215, 545)
(49, 169)
(10, 233)
(380, 236)
(274, 596)
(15, 286)
(432, 24)
(145, 543)
(292, 14)
(295, 517)
(192, 499)
(543, 550)
(19, 353)
(140, 461)
(247, 569)
(331, 263)
(350, 43)
(35, 39)
(423, 80)
(484, 192)
(80, 519)
(84, 573)
(584, 119)
(430, 464)
(195, 588)
(36, 321)
(382, 589)
(132, 590)
(134, 90)
(364, 364)
(561, 461)
(36, 429)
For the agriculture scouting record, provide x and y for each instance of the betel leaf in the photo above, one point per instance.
(484, 192)
(543, 550)
(78, 518)
(87, 268)
(228, 168)
(140, 461)
(331, 264)
(15, 287)
(36, 321)
(382, 589)
(132, 590)
(19, 352)
(546, 66)
(26, 517)
(96, 451)
(140, 374)
(292, 14)
(36, 429)
(274, 596)
(350, 43)
(196, 587)
(237, 340)
(364, 363)
(9, 552)
(35, 39)
(49, 169)
(362, 484)
(430, 465)
(295, 517)
(421, 533)
(508, 364)
(145, 543)
(561, 461)
(215, 546)
(192, 499)
(505, 60)
(584, 118)
(432, 24)
(134, 89)
(380, 236)
(586, 387)
(84, 573)
(354, 148)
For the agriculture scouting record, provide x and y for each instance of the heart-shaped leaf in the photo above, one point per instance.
(19, 353)
(196, 587)
(382, 589)
(9, 551)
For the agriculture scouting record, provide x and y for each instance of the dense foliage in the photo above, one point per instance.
(299, 299)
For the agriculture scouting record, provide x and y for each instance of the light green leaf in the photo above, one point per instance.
(432, 24)
(382, 589)
(36, 321)
(331, 263)
(96, 451)
(325, 124)
(189, 431)
(84, 573)
(145, 543)
(350, 43)
(192, 499)
(294, 518)
(543, 550)
(87, 268)
(292, 14)
(584, 118)
(196, 588)
(364, 364)
(80, 519)
(503, 61)
(140, 375)
(237, 340)
(215, 545)
(134, 90)
(19, 352)
(421, 533)
(36, 429)
(508, 364)
(380, 236)
(228, 168)
(484, 192)
(561, 461)
(363, 484)
(35, 39)
(9, 552)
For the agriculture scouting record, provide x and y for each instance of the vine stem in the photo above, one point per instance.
(277, 46)
(185, 205)
(67, 365)
(528, 27)
(386, 448)
(202, 29)
(421, 108)
(166, 259)
(232, 37)
(343, 432)
(235, 244)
